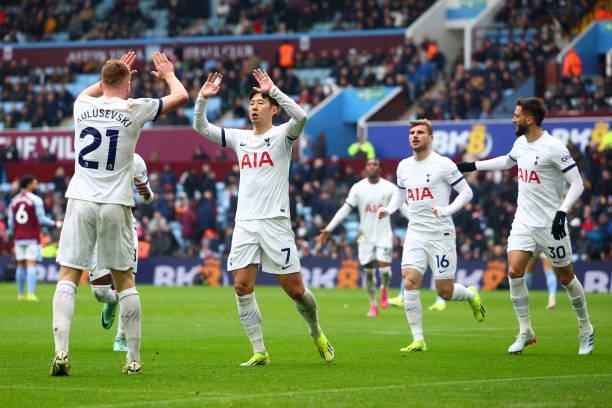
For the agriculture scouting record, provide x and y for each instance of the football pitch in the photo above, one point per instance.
(193, 343)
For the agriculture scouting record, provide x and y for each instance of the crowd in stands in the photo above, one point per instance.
(193, 213)
(524, 38)
(39, 20)
(41, 98)
(581, 93)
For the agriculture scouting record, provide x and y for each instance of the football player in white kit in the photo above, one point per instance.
(426, 180)
(101, 281)
(375, 236)
(543, 163)
(107, 125)
(262, 234)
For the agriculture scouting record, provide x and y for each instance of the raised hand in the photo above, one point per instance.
(264, 81)
(163, 66)
(212, 85)
(129, 58)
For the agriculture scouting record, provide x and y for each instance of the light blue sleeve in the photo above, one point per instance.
(40, 214)
(11, 219)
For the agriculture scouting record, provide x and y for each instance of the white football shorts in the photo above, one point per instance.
(439, 255)
(89, 226)
(530, 239)
(369, 252)
(96, 273)
(269, 242)
(27, 251)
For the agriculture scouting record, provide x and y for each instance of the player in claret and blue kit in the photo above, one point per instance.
(540, 221)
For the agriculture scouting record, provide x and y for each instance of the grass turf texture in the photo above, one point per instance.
(193, 343)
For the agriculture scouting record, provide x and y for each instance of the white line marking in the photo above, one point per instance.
(289, 394)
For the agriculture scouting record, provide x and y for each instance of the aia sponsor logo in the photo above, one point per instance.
(256, 160)
(419, 194)
(372, 207)
(528, 176)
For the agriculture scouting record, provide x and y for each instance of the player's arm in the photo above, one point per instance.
(141, 179)
(11, 220)
(95, 90)
(396, 201)
(464, 196)
(340, 215)
(42, 217)
(567, 166)
(404, 210)
(200, 123)
(178, 94)
(298, 115)
(498, 163)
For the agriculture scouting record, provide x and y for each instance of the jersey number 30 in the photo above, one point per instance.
(95, 143)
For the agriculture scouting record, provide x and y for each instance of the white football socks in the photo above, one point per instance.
(414, 313)
(385, 276)
(104, 294)
(370, 281)
(307, 306)
(129, 303)
(460, 292)
(520, 302)
(250, 317)
(575, 293)
(63, 311)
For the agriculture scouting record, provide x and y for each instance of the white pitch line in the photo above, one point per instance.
(230, 397)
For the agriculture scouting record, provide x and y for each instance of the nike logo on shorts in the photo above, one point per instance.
(285, 267)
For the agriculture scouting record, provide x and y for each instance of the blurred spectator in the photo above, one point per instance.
(572, 64)
(362, 149)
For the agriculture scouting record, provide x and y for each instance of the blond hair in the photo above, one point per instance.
(424, 122)
(114, 72)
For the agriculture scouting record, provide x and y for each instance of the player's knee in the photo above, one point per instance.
(243, 288)
(410, 284)
(565, 277)
(445, 293)
(295, 292)
(514, 272)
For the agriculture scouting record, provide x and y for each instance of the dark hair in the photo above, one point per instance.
(534, 107)
(273, 101)
(25, 181)
(377, 161)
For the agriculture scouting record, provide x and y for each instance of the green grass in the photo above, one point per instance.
(193, 343)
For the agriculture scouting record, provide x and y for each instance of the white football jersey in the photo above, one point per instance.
(264, 171)
(541, 166)
(105, 134)
(427, 184)
(368, 198)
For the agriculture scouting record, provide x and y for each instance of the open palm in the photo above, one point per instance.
(210, 87)
(264, 81)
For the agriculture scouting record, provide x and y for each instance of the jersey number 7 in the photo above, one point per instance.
(95, 143)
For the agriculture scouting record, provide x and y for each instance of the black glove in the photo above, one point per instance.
(558, 225)
(466, 167)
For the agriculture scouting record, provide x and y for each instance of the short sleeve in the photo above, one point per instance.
(353, 197)
(452, 173)
(145, 109)
(562, 159)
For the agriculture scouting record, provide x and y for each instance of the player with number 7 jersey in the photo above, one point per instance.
(262, 234)
(107, 124)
